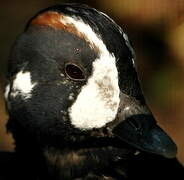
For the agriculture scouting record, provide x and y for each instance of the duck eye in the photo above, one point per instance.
(74, 72)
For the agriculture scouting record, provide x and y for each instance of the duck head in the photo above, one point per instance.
(72, 76)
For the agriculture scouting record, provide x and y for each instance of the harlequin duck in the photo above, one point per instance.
(76, 109)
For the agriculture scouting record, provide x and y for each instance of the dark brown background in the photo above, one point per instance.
(156, 29)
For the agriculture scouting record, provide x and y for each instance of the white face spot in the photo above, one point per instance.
(97, 103)
(22, 85)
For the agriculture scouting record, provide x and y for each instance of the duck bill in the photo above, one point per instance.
(137, 126)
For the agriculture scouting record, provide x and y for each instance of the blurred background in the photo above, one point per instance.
(156, 30)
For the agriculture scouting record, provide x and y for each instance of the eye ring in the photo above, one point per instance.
(74, 72)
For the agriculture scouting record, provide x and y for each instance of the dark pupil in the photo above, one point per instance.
(74, 72)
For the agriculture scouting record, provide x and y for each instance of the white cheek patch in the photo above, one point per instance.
(22, 85)
(97, 103)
